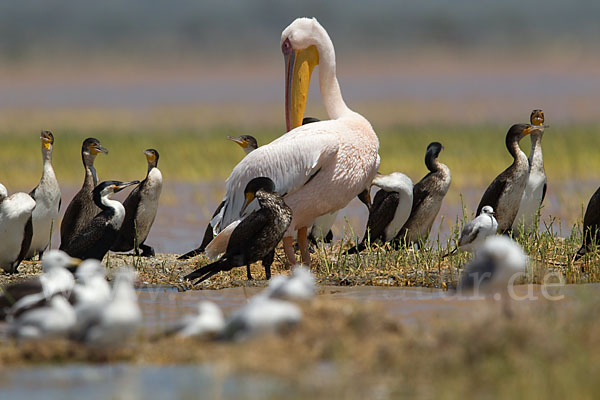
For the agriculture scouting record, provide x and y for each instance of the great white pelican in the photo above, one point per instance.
(318, 167)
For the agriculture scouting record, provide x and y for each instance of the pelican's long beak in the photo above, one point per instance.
(299, 65)
(249, 198)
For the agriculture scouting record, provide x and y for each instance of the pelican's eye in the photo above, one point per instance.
(286, 47)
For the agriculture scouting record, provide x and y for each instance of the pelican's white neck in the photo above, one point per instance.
(330, 88)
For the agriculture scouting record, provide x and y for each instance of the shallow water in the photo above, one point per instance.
(162, 306)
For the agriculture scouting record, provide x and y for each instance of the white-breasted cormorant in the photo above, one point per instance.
(505, 192)
(47, 200)
(140, 210)
(256, 236)
(81, 210)
(390, 210)
(428, 194)
(535, 190)
(16, 228)
(95, 239)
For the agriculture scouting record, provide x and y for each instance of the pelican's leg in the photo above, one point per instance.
(303, 244)
(288, 247)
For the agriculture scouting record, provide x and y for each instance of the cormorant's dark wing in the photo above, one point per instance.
(246, 232)
(492, 193)
(93, 234)
(25, 243)
(478, 272)
(127, 234)
(420, 193)
(382, 213)
(544, 192)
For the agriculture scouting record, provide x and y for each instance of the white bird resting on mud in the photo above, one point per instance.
(54, 319)
(91, 292)
(207, 322)
(496, 266)
(33, 292)
(262, 315)
(475, 232)
(300, 285)
(118, 319)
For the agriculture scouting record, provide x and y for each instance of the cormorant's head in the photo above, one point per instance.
(90, 148)
(518, 132)
(537, 118)
(309, 120)
(3, 192)
(107, 188)
(488, 210)
(152, 158)
(247, 142)
(432, 153)
(256, 184)
(47, 139)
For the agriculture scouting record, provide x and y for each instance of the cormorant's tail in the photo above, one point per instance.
(202, 274)
(357, 249)
(450, 252)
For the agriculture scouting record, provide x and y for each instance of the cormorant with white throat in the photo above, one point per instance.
(140, 210)
(47, 201)
(99, 235)
(535, 190)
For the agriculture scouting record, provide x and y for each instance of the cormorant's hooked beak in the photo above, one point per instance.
(123, 185)
(242, 142)
(249, 198)
(97, 148)
(528, 129)
(47, 139)
(150, 156)
(299, 65)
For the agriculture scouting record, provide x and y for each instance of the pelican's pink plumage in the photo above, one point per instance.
(319, 167)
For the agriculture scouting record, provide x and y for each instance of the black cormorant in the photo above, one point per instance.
(591, 226)
(82, 209)
(140, 210)
(428, 194)
(256, 236)
(95, 239)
